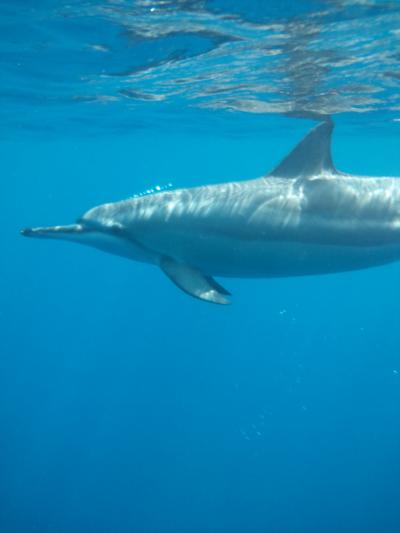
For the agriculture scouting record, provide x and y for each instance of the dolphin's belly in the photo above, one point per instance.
(234, 258)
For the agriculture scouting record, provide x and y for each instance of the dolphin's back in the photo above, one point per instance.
(326, 210)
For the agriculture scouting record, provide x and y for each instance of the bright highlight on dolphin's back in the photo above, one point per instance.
(303, 218)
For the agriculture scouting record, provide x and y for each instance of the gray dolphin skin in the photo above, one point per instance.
(304, 218)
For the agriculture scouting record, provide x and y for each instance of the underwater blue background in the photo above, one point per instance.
(125, 405)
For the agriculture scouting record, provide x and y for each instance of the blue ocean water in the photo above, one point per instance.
(125, 405)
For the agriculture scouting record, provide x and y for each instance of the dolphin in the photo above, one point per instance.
(303, 218)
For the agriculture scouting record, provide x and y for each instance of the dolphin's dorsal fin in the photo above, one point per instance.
(312, 156)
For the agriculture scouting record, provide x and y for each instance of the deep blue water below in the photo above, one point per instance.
(125, 405)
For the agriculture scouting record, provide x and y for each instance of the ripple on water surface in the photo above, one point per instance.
(115, 64)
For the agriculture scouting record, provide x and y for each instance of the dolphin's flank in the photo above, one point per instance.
(303, 218)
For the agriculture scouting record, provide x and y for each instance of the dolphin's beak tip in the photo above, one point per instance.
(52, 232)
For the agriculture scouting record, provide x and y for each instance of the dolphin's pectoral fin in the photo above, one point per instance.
(193, 282)
(219, 288)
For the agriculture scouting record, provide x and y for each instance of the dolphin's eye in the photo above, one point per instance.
(116, 229)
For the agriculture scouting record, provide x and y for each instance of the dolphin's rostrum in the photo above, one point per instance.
(303, 218)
